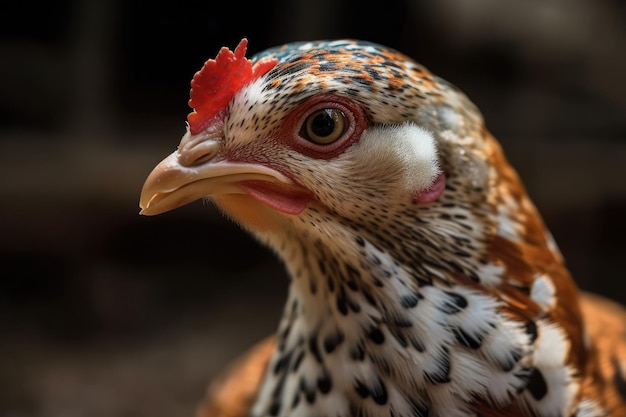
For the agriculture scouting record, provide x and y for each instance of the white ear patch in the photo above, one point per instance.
(407, 150)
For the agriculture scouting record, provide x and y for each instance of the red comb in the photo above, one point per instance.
(214, 85)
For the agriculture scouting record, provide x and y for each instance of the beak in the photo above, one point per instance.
(194, 171)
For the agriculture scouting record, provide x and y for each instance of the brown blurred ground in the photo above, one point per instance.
(106, 313)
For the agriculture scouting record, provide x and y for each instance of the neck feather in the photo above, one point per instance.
(363, 331)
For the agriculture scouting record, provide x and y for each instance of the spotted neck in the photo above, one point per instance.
(363, 338)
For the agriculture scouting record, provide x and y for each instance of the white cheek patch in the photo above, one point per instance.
(406, 150)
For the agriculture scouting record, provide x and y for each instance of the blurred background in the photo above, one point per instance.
(106, 313)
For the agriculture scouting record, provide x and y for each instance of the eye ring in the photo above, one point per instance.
(324, 126)
(355, 123)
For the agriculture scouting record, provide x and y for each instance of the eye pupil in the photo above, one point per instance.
(323, 124)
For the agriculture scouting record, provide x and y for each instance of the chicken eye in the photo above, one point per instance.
(324, 126)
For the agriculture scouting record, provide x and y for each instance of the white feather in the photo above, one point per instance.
(550, 358)
(407, 151)
(543, 292)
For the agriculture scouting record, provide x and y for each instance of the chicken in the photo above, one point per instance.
(423, 280)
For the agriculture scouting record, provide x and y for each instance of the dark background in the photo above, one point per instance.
(106, 313)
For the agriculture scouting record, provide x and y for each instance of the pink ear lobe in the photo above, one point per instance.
(216, 83)
(431, 193)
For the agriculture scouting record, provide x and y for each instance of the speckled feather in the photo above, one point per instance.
(458, 307)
